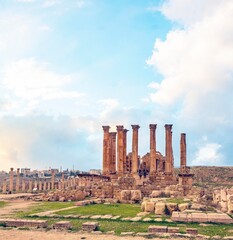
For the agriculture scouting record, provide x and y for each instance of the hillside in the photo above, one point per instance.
(213, 176)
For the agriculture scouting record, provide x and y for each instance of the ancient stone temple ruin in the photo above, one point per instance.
(153, 170)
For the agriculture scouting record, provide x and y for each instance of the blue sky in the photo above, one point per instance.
(69, 67)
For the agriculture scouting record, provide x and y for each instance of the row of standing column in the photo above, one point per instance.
(17, 188)
(111, 162)
(109, 150)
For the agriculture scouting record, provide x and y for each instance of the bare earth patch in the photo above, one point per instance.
(55, 235)
(15, 204)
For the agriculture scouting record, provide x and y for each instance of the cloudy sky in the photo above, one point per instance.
(67, 67)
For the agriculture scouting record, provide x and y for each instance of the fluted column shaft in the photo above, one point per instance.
(106, 150)
(120, 149)
(169, 152)
(53, 179)
(17, 181)
(113, 152)
(11, 180)
(183, 156)
(4, 187)
(135, 162)
(153, 166)
(124, 149)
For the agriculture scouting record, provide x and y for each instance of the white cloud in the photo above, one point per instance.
(188, 12)
(28, 80)
(209, 154)
(196, 61)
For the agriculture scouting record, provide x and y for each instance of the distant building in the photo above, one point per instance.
(26, 171)
(95, 171)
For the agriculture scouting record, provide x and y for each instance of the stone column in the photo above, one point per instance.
(106, 150)
(23, 186)
(4, 186)
(40, 185)
(43, 185)
(153, 166)
(53, 179)
(11, 180)
(17, 180)
(35, 185)
(124, 149)
(30, 186)
(169, 152)
(59, 185)
(63, 181)
(120, 149)
(135, 162)
(48, 186)
(113, 152)
(183, 160)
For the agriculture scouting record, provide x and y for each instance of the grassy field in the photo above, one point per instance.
(124, 210)
(119, 226)
(3, 204)
(43, 207)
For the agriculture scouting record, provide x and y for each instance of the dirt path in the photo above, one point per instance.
(55, 235)
(14, 206)
(41, 214)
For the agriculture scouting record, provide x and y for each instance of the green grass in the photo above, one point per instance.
(3, 204)
(118, 226)
(43, 207)
(125, 210)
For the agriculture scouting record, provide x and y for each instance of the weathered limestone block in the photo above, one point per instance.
(136, 195)
(196, 206)
(171, 207)
(219, 218)
(143, 204)
(156, 193)
(173, 229)
(175, 217)
(126, 195)
(160, 208)
(149, 207)
(89, 226)
(192, 231)
(224, 206)
(224, 195)
(230, 204)
(183, 206)
(199, 217)
(217, 196)
(62, 225)
(157, 229)
(24, 223)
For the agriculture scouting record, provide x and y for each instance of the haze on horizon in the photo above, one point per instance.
(67, 67)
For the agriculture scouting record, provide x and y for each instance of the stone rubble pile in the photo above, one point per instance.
(62, 196)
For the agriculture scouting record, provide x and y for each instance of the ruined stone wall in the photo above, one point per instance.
(223, 198)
